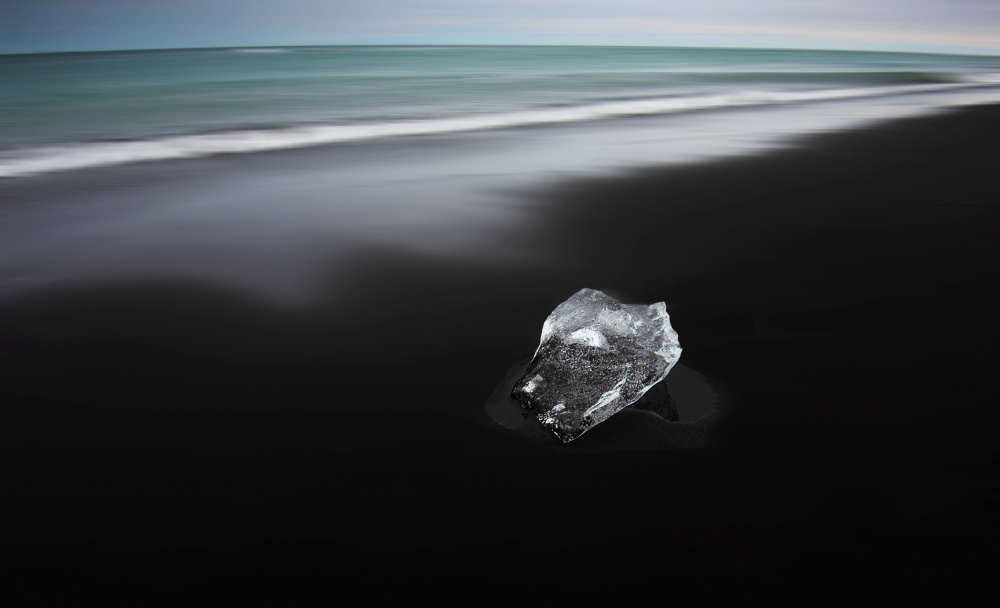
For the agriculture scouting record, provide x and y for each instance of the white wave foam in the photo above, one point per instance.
(987, 79)
(81, 156)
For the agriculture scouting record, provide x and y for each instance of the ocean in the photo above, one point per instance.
(269, 170)
(72, 111)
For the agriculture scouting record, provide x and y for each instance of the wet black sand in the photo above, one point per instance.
(169, 441)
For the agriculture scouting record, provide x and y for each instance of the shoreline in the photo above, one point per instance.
(454, 195)
(843, 291)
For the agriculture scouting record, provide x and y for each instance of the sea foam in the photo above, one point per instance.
(32, 161)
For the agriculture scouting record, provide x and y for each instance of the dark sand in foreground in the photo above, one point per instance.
(171, 441)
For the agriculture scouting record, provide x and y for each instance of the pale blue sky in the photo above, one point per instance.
(930, 25)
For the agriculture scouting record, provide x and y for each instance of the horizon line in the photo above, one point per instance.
(620, 46)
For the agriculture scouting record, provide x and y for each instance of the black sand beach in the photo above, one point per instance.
(169, 440)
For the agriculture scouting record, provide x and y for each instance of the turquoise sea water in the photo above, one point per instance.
(273, 170)
(80, 110)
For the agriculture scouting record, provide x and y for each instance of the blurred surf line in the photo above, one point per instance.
(33, 161)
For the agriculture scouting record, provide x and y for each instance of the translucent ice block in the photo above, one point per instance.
(596, 357)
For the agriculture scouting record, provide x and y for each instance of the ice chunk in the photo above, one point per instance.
(596, 357)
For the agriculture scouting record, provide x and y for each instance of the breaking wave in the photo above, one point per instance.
(32, 161)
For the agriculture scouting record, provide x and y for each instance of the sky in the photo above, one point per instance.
(970, 26)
